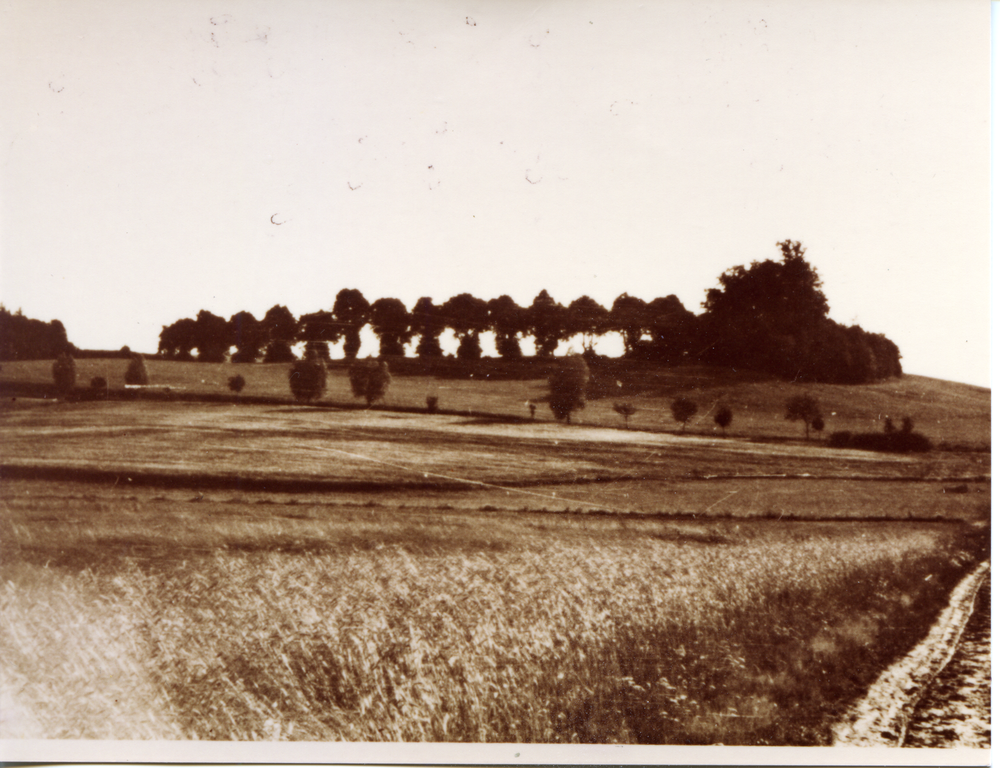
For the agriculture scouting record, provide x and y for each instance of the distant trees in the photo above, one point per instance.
(307, 378)
(391, 323)
(546, 320)
(213, 337)
(508, 321)
(351, 311)
(568, 387)
(318, 330)
(586, 318)
(280, 327)
(64, 374)
(248, 336)
(427, 321)
(369, 379)
(22, 338)
(628, 317)
(135, 372)
(803, 408)
(683, 409)
(467, 316)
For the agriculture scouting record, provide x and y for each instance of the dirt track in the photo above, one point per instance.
(955, 712)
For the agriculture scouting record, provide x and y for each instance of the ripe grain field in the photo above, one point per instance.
(286, 572)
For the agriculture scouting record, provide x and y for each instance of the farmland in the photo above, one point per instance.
(290, 572)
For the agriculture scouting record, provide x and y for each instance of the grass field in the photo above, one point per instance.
(287, 572)
(945, 411)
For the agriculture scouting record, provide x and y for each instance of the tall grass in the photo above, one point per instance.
(588, 635)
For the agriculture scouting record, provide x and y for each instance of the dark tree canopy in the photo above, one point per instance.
(307, 379)
(351, 310)
(467, 316)
(587, 318)
(248, 336)
(212, 337)
(280, 324)
(369, 379)
(391, 323)
(547, 323)
(508, 321)
(22, 338)
(427, 322)
(178, 339)
(629, 316)
(317, 330)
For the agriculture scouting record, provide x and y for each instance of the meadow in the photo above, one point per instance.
(278, 571)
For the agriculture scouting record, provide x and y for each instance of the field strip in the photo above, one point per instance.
(880, 718)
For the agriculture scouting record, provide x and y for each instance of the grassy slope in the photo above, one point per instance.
(946, 412)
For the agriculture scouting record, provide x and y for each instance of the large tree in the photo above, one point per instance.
(467, 316)
(547, 323)
(427, 322)
(629, 316)
(586, 318)
(212, 337)
(351, 310)
(23, 338)
(317, 330)
(178, 339)
(248, 336)
(391, 323)
(280, 325)
(508, 321)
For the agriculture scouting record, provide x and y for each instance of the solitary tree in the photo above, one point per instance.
(369, 379)
(136, 372)
(568, 387)
(64, 374)
(624, 410)
(683, 409)
(802, 408)
(724, 417)
(307, 378)
(237, 383)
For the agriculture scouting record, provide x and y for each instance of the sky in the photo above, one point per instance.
(162, 157)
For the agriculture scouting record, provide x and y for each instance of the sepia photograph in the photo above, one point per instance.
(494, 381)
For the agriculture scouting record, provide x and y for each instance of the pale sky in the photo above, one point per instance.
(162, 157)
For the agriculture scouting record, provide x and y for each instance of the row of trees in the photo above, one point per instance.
(467, 316)
(771, 316)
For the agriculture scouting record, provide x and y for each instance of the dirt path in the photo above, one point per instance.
(955, 712)
(882, 717)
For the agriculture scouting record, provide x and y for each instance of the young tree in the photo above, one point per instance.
(624, 410)
(369, 379)
(818, 424)
(351, 311)
(64, 374)
(724, 417)
(136, 373)
(237, 383)
(683, 409)
(802, 408)
(307, 378)
(568, 387)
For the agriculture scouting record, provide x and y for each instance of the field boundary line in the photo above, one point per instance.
(881, 717)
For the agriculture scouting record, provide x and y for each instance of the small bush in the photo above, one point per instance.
(724, 417)
(98, 382)
(64, 374)
(136, 373)
(237, 383)
(369, 379)
(432, 404)
(307, 379)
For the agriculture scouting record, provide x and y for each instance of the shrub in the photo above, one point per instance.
(98, 382)
(432, 404)
(683, 409)
(64, 374)
(237, 383)
(568, 387)
(370, 379)
(624, 410)
(307, 378)
(818, 424)
(136, 373)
